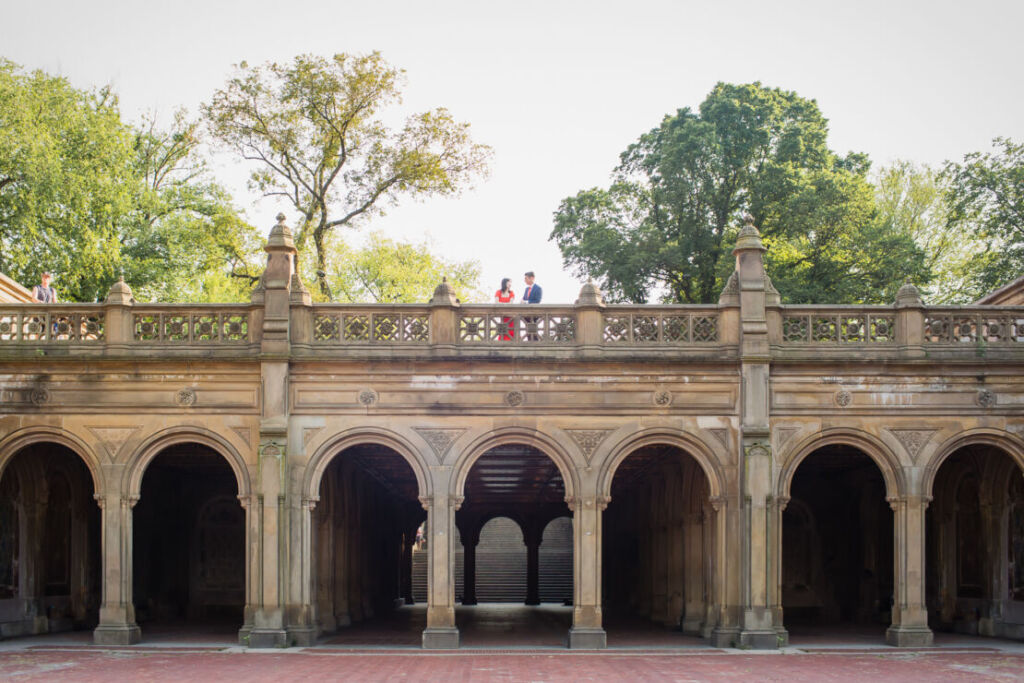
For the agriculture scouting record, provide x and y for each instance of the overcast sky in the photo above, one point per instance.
(559, 89)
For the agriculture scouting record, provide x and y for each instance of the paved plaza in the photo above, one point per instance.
(503, 643)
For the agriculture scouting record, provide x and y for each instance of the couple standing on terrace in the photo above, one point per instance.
(505, 295)
(531, 295)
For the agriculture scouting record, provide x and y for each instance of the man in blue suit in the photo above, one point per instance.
(533, 292)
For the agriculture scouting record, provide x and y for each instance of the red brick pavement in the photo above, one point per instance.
(80, 664)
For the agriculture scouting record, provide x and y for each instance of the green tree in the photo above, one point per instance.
(66, 182)
(666, 225)
(315, 129)
(913, 198)
(985, 196)
(89, 197)
(389, 271)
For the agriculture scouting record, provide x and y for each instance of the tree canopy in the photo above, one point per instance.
(665, 226)
(89, 197)
(315, 129)
(390, 271)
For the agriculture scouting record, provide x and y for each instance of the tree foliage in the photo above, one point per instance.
(390, 271)
(315, 129)
(985, 198)
(666, 225)
(88, 197)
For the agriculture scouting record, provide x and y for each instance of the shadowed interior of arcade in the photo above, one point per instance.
(837, 547)
(658, 540)
(364, 532)
(975, 544)
(515, 537)
(189, 546)
(50, 558)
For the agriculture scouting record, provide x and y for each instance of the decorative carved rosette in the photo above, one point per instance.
(368, 397)
(514, 398)
(986, 398)
(186, 398)
(843, 398)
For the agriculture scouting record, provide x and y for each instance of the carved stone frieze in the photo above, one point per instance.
(440, 440)
(663, 398)
(912, 440)
(186, 397)
(784, 435)
(39, 396)
(986, 398)
(722, 435)
(514, 398)
(368, 397)
(112, 438)
(843, 398)
(588, 440)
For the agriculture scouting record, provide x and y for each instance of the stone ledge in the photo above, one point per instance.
(440, 638)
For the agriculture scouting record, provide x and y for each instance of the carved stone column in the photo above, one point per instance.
(470, 541)
(532, 540)
(775, 583)
(268, 622)
(441, 632)
(117, 614)
(909, 614)
(587, 631)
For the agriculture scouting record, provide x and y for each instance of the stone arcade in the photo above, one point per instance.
(732, 470)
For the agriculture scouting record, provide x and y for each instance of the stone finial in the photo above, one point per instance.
(280, 236)
(908, 296)
(749, 237)
(444, 295)
(730, 295)
(590, 295)
(120, 293)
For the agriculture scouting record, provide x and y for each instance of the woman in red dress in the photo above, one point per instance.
(505, 295)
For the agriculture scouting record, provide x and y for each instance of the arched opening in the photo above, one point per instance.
(975, 544)
(658, 540)
(189, 546)
(555, 562)
(365, 544)
(837, 547)
(511, 492)
(50, 559)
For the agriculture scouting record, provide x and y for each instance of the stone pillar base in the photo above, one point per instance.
(759, 640)
(127, 634)
(783, 636)
(267, 637)
(587, 638)
(441, 638)
(691, 627)
(724, 637)
(909, 636)
(302, 636)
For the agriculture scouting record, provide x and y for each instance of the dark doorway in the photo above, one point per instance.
(837, 545)
(189, 545)
(50, 561)
(365, 538)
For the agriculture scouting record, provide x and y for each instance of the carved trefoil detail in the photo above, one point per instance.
(912, 440)
(440, 440)
(588, 440)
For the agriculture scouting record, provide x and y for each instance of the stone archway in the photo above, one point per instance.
(838, 566)
(50, 550)
(975, 538)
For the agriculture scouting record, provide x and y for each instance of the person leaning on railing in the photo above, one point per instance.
(43, 292)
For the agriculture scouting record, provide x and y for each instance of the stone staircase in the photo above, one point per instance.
(501, 565)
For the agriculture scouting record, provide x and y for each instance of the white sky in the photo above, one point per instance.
(559, 89)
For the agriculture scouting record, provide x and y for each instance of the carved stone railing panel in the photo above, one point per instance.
(974, 326)
(333, 325)
(201, 325)
(660, 327)
(59, 323)
(488, 325)
(831, 327)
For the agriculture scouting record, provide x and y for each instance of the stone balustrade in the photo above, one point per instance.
(617, 329)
